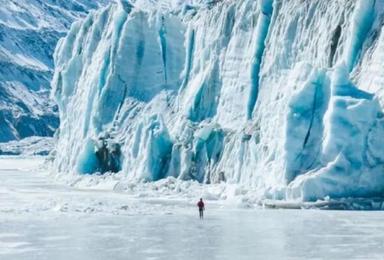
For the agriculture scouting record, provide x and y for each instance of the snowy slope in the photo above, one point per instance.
(284, 97)
(29, 31)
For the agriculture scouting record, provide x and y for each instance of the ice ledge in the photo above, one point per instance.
(329, 204)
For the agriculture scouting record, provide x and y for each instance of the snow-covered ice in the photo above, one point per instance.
(29, 146)
(41, 219)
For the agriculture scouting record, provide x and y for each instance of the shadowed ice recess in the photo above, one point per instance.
(282, 97)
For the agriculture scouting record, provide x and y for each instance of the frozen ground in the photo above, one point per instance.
(43, 220)
(30, 146)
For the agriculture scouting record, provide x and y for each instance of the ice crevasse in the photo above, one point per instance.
(284, 97)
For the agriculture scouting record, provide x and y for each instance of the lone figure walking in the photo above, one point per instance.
(201, 207)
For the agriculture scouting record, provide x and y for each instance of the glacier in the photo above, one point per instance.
(282, 97)
(29, 31)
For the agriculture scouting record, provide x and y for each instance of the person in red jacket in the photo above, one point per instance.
(201, 207)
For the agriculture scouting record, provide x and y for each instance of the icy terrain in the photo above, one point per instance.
(28, 146)
(40, 219)
(29, 31)
(283, 97)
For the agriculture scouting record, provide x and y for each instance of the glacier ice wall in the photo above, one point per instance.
(284, 97)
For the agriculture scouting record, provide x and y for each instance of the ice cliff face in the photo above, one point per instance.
(284, 97)
(29, 31)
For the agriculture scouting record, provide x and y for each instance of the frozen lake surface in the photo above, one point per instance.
(43, 220)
